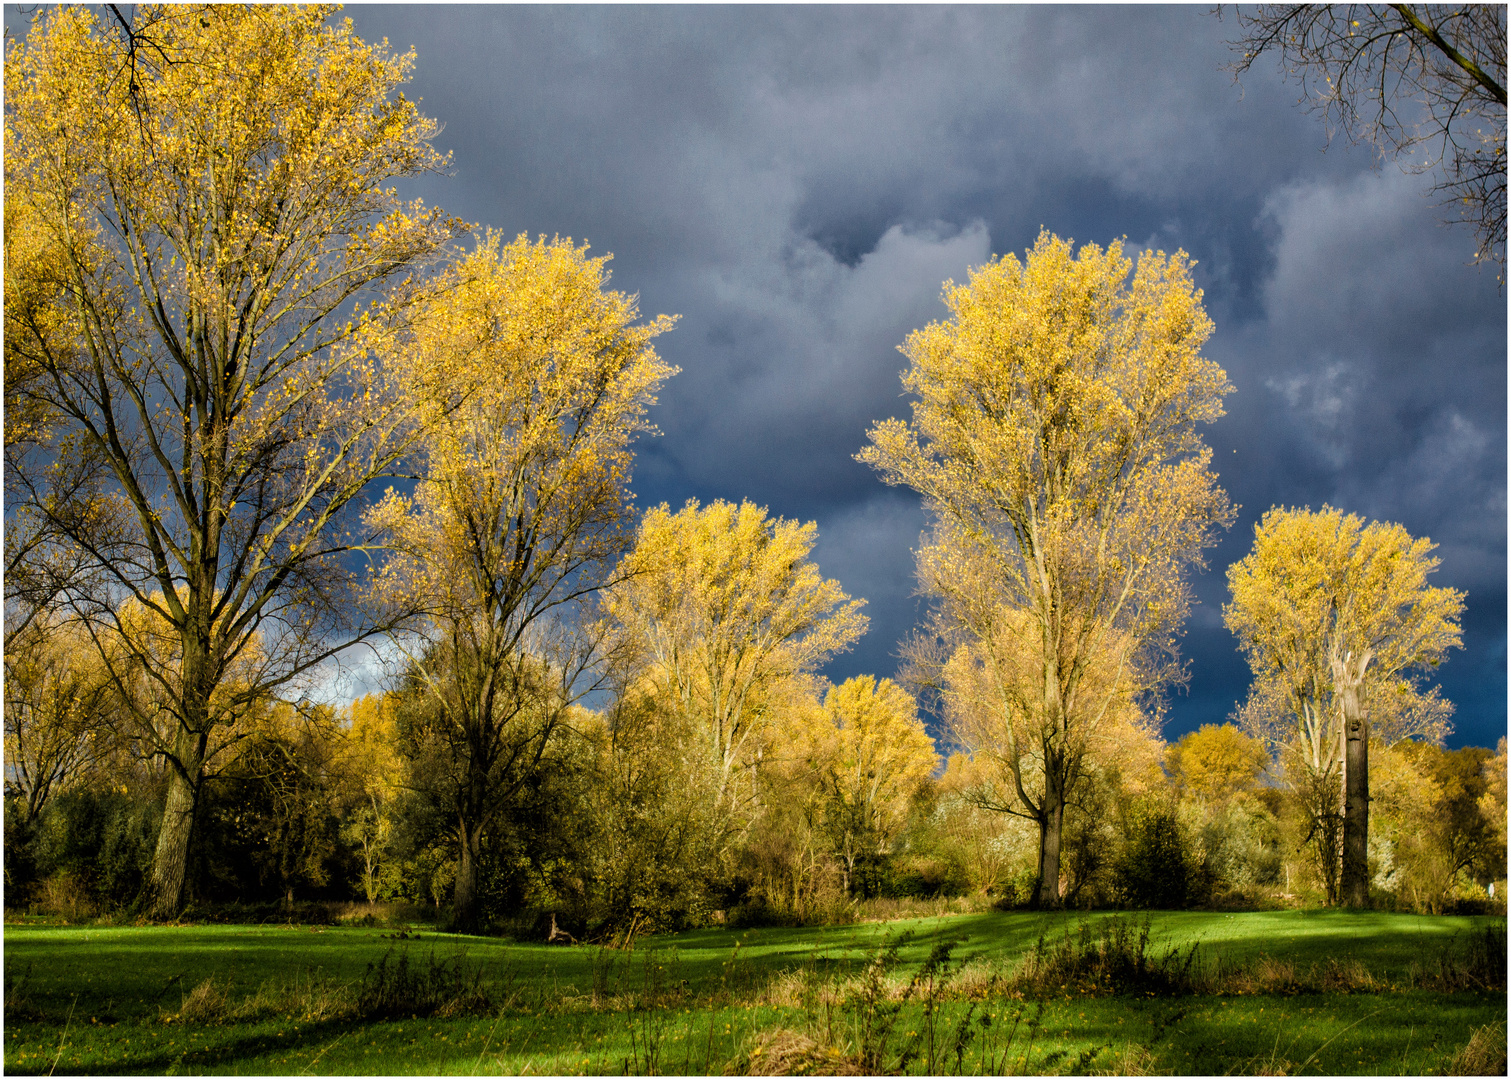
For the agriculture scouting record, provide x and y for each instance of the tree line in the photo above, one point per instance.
(262, 411)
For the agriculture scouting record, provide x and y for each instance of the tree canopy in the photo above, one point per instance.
(1054, 439)
(208, 242)
(538, 382)
(725, 603)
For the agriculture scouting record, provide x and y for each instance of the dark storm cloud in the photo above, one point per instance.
(1376, 382)
(797, 182)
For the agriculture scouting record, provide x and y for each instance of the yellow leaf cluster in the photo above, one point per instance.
(533, 383)
(1323, 596)
(195, 208)
(728, 606)
(867, 751)
(1216, 762)
(58, 707)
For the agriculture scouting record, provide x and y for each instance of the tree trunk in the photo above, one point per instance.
(1355, 878)
(464, 898)
(1047, 893)
(170, 861)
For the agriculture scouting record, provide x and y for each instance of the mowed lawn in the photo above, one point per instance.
(104, 999)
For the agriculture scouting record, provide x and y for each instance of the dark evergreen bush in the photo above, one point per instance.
(1155, 867)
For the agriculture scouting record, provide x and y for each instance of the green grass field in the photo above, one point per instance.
(1336, 993)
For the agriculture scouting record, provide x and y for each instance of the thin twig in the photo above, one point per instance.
(1355, 1024)
(63, 1039)
(322, 1053)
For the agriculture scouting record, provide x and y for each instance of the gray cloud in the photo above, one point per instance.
(796, 182)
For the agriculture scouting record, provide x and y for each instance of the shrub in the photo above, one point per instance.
(65, 896)
(1238, 846)
(102, 840)
(925, 876)
(757, 911)
(393, 988)
(1155, 868)
(1113, 958)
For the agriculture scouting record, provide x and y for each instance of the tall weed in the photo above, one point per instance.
(1483, 1055)
(1112, 958)
(393, 988)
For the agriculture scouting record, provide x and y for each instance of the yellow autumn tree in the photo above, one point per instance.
(866, 753)
(210, 233)
(1216, 762)
(727, 608)
(58, 708)
(1054, 439)
(523, 512)
(1337, 621)
(1492, 803)
(371, 769)
(988, 689)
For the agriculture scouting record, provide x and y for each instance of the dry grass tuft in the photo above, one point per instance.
(791, 989)
(1483, 1055)
(205, 1004)
(1273, 976)
(890, 909)
(784, 1052)
(1348, 977)
(978, 979)
(311, 997)
(1133, 1060)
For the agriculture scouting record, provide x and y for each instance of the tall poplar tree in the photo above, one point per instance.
(726, 606)
(1054, 439)
(523, 512)
(1337, 620)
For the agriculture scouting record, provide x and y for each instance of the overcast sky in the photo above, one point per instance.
(797, 182)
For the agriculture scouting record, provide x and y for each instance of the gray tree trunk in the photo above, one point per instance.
(464, 898)
(1354, 885)
(170, 861)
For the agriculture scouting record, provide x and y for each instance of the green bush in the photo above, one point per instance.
(1155, 867)
(102, 841)
(1239, 847)
(926, 876)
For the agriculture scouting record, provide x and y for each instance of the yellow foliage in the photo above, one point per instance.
(868, 753)
(730, 610)
(1323, 597)
(534, 383)
(202, 247)
(143, 653)
(991, 692)
(1216, 762)
(1054, 439)
(58, 706)
(370, 751)
(1492, 803)
(371, 766)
